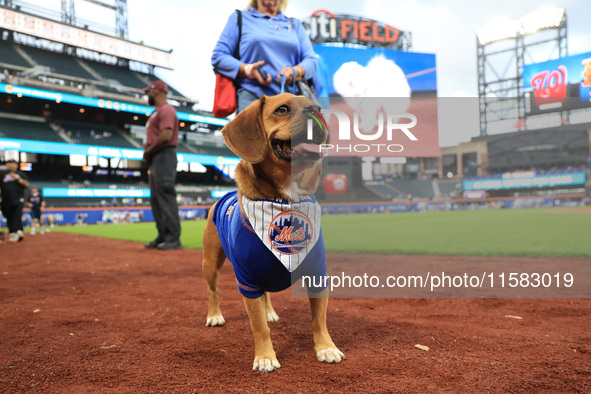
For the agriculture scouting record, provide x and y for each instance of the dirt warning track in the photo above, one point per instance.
(82, 314)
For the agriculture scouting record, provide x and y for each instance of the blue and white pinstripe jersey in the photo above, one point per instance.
(273, 244)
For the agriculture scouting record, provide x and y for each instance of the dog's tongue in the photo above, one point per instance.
(286, 149)
(307, 147)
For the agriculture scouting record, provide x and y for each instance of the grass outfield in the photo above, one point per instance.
(526, 232)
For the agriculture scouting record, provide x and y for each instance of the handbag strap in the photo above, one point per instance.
(293, 81)
(237, 52)
(293, 85)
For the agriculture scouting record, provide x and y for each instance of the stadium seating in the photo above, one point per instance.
(184, 148)
(109, 79)
(171, 90)
(124, 76)
(89, 134)
(11, 56)
(383, 190)
(129, 78)
(417, 188)
(447, 188)
(71, 88)
(203, 147)
(213, 151)
(27, 130)
(106, 91)
(59, 63)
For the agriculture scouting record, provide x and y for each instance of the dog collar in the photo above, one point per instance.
(288, 229)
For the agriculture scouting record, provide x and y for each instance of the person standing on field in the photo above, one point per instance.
(37, 205)
(160, 155)
(12, 185)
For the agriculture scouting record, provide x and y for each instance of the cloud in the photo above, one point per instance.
(191, 29)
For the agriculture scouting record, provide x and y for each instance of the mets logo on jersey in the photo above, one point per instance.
(290, 232)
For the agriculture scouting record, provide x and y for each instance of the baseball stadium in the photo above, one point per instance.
(452, 267)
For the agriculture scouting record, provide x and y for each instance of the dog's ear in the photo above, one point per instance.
(245, 134)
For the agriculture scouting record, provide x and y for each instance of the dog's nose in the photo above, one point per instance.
(313, 108)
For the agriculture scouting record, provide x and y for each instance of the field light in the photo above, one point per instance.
(543, 18)
(498, 30)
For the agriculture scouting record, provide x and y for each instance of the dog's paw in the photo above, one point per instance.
(215, 321)
(265, 365)
(272, 317)
(330, 356)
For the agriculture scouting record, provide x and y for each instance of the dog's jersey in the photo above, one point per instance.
(273, 244)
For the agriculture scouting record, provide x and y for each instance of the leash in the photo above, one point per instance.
(293, 82)
(282, 84)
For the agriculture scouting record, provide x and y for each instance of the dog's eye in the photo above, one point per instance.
(282, 110)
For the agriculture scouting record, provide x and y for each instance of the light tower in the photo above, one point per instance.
(121, 29)
(68, 12)
(503, 48)
(120, 8)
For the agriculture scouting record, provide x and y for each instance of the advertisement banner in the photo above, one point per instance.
(335, 183)
(62, 148)
(69, 35)
(558, 85)
(578, 178)
(58, 97)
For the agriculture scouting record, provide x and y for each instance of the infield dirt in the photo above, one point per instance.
(86, 314)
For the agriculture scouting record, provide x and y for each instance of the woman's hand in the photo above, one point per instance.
(250, 71)
(288, 72)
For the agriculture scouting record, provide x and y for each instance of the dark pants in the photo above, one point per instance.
(244, 98)
(13, 215)
(36, 213)
(163, 198)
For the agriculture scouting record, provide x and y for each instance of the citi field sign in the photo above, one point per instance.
(324, 26)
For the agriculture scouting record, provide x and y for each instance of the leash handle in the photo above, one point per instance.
(282, 84)
(293, 82)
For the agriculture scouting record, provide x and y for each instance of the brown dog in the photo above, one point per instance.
(279, 162)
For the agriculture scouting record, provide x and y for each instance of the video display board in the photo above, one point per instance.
(368, 71)
(368, 84)
(558, 85)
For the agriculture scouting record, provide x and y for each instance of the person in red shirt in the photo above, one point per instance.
(162, 132)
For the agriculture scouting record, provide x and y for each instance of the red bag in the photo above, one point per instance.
(224, 102)
(224, 99)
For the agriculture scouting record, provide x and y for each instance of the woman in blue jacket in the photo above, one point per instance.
(269, 46)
